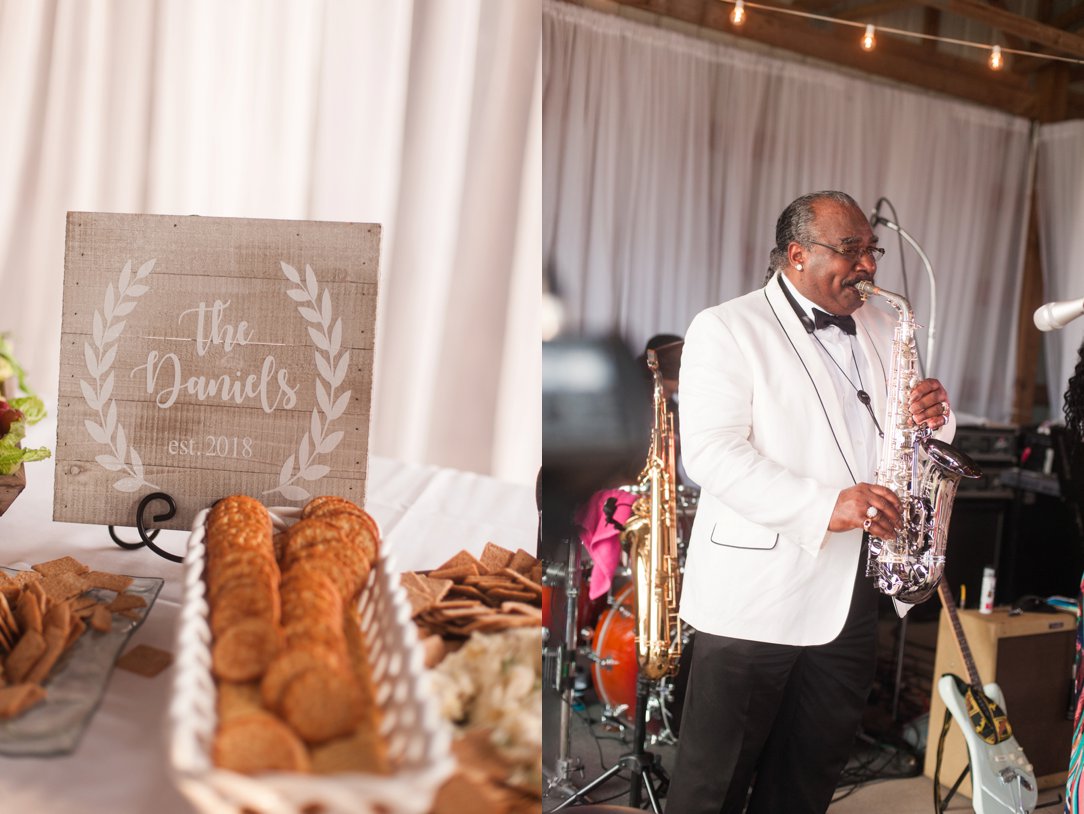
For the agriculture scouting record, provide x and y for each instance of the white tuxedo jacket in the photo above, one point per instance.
(763, 434)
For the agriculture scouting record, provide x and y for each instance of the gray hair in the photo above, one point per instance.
(794, 225)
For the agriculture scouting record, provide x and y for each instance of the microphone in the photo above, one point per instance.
(1056, 315)
(875, 216)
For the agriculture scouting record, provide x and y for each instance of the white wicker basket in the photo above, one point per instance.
(417, 736)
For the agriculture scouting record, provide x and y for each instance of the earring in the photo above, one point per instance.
(798, 266)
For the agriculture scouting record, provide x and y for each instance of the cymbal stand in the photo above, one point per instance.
(644, 766)
(564, 656)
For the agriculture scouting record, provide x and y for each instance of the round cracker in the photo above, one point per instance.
(258, 742)
(243, 651)
(289, 664)
(322, 704)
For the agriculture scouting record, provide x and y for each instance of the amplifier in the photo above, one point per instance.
(993, 449)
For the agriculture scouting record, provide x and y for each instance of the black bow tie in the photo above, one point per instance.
(823, 320)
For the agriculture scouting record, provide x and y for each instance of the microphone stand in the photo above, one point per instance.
(931, 334)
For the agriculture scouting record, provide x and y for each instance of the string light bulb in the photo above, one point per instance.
(869, 42)
(996, 62)
(737, 14)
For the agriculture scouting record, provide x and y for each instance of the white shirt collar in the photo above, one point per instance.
(807, 304)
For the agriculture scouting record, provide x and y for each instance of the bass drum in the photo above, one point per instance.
(613, 657)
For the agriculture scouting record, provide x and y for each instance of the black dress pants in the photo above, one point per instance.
(779, 718)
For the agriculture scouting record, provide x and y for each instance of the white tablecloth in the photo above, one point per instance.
(426, 514)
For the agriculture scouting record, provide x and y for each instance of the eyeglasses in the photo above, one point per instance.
(854, 253)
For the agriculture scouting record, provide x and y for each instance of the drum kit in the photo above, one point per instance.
(603, 635)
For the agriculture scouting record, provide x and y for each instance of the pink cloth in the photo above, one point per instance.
(601, 538)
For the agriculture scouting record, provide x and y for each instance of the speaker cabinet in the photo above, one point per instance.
(1030, 656)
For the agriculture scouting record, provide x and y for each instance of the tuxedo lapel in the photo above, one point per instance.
(816, 376)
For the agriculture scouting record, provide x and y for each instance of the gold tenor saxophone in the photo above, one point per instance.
(651, 535)
(922, 471)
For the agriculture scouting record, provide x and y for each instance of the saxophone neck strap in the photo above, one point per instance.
(803, 317)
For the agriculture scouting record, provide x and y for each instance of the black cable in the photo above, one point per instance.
(903, 272)
(590, 724)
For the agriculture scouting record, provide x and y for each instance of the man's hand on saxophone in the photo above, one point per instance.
(929, 404)
(867, 506)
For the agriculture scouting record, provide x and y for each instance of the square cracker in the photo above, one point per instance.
(125, 602)
(522, 562)
(101, 619)
(61, 585)
(145, 660)
(19, 697)
(463, 560)
(111, 582)
(494, 557)
(26, 653)
(423, 591)
(61, 565)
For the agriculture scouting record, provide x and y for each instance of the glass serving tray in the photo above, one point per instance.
(77, 682)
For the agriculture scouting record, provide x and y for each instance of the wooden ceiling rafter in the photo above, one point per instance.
(894, 58)
(1067, 42)
(1022, 88)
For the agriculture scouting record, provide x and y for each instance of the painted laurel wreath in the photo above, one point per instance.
(315, 307)
(100, 354)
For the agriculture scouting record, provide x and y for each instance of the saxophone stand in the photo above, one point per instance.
(647, 772)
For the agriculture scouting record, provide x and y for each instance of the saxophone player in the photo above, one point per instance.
(782, 393)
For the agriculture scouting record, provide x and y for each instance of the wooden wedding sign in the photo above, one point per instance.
(203, 357)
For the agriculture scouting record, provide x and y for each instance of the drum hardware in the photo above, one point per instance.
(604, 663)
(648, 775)
(561, 672)
(659, 704)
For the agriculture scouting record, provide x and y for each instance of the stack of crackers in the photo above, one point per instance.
(499, 590)
(494, 592)
(43, 612)
(294, 685)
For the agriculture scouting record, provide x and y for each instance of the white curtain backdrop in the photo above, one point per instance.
(417, 115)
(1059, 186)
(668, 158)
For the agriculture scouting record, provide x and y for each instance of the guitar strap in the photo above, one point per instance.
(938, 806)
(987, 718)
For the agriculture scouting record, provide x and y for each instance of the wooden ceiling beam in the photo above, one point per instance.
(1070, 19)
(868, 11)
(892, 59)
(1024, 27)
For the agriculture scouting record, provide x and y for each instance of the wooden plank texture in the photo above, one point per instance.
(204, 357)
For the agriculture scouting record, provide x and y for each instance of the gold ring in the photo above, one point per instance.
(867, 523)
(871, 512)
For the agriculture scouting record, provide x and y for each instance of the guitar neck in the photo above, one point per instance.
(958, 631)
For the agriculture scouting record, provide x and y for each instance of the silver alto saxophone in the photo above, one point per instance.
(922, 471)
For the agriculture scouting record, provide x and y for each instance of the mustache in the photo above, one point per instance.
(860, 278)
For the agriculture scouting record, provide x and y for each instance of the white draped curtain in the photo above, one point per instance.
(667, 159)
(1059, 188)
(421, 116)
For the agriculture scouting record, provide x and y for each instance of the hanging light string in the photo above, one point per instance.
(899, 31)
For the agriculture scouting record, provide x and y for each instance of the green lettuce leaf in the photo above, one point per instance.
(30, 406)
(11, 454)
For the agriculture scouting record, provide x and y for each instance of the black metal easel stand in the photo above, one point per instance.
(147, 538)
(647, 772)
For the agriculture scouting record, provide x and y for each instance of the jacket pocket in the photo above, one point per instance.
(760, 540)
